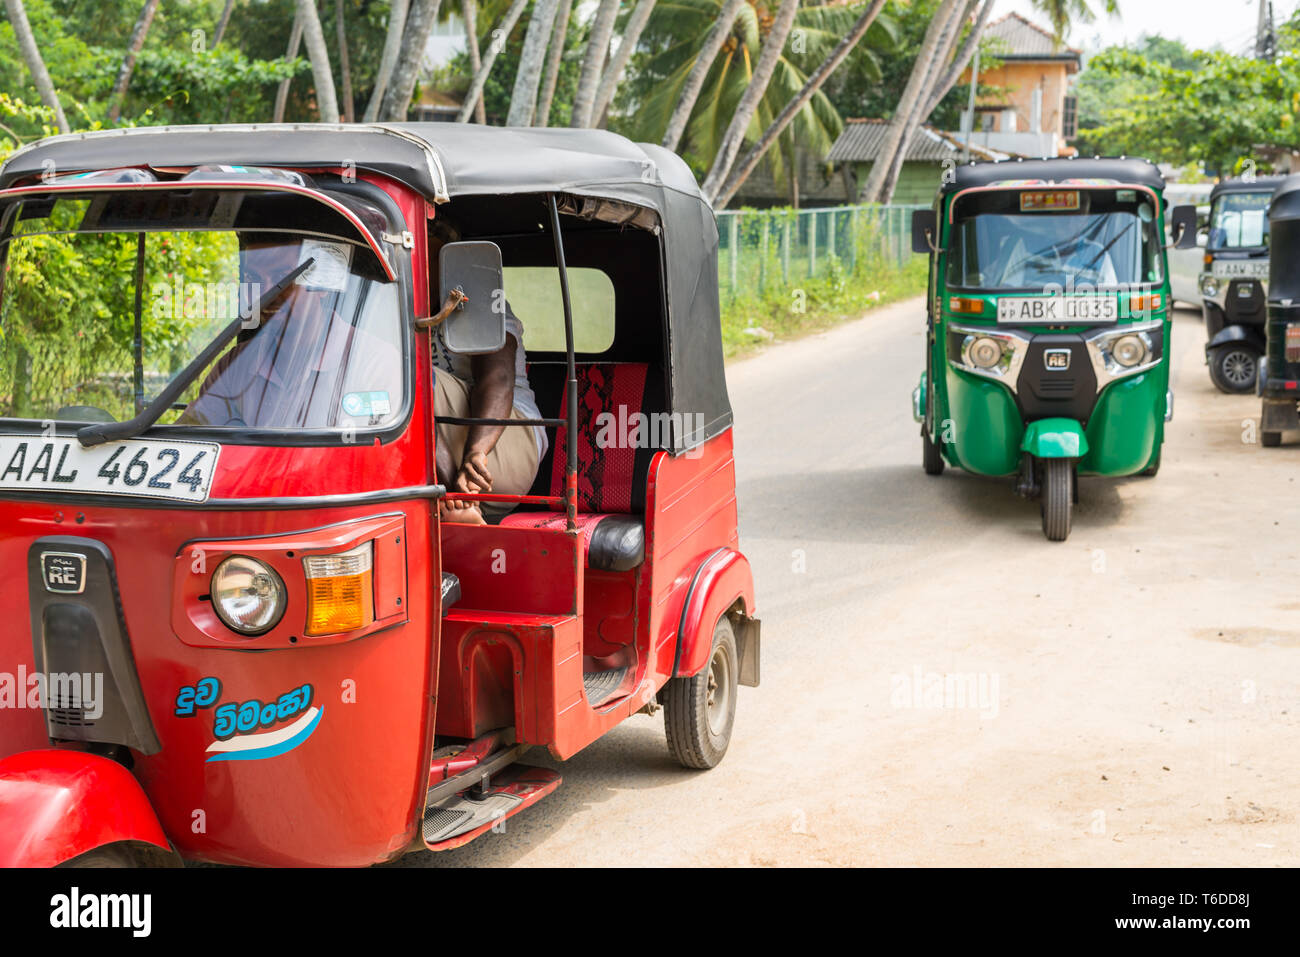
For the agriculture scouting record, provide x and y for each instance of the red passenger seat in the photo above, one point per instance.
(613, 534)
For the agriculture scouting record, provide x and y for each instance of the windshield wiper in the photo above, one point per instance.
(91, 435)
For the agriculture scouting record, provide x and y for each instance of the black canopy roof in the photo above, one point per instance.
(1057, 170)
(444, 161)
(1236, 184)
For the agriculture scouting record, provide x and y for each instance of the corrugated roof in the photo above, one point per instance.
(861, 140)
(1024, 40)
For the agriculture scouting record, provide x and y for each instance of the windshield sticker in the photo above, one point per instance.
(330, 270)
(1126, 195)
(1049, 199)
(367, 404)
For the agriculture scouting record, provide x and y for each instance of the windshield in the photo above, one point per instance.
(95, 321)
(1006, 241)
(1239, 221)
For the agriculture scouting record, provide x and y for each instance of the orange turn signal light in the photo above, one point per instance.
(1145, 303)
(969, 306)
(340, 591)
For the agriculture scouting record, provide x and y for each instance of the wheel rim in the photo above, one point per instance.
(718, 709)
(1239, 367)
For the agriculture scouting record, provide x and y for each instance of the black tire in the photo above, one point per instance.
(931, 455)
(109, 855)
(1057, 502)
(1154, 467)
(1270, 440)
(1234, 367)
(694, 740)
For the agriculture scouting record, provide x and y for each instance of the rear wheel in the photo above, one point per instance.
(1234, 367)
(700, 711)
(931, 455)
(1058, 498)
(1270, 440)
(1153, 468)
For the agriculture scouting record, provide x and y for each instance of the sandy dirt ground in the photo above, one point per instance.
(1134, 691)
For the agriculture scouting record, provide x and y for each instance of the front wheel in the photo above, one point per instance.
(1270, 440)
(1058, 498)
(1234, 367)
(931, 454)
(1153, 468)
(699, 711)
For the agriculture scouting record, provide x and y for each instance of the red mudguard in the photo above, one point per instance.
(720, 581)
(56, 804)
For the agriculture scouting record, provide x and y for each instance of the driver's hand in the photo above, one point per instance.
(474, 475)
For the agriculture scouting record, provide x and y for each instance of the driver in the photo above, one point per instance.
(290, 372)
(481, 458)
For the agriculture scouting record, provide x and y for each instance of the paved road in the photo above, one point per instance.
(1140, 682)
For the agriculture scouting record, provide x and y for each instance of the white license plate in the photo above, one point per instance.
(1239, 269)
(1057, 310)
(145, 467)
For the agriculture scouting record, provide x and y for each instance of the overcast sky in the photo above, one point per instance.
(1200, 24)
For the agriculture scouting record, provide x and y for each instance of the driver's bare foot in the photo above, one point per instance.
(468, 515)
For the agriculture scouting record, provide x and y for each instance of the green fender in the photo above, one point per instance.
(1055, 439)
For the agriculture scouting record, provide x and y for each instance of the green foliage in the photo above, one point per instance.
(1214, 111)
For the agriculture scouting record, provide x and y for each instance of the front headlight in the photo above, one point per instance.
(248, 596)
(1129, 351)
(1209, 287)
(984, 352)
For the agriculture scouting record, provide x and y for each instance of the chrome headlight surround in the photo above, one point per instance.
(1014, 345)
(248, 595)
(1100, 346)
(1209, 286)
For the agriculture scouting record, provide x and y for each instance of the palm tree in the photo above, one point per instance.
(556, 53)
(494, 49)
(614, 72)
(35, 65)
(224, 22)
(1063, 14)
(690, 92)
(133, 48)
(814, 83)
(469, 11)
(523, 99)
(290, 53)
(388, 59)
(593, 64)
(326, 102)
(748, 105)
(420, 18)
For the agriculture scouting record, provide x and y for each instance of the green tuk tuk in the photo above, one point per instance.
(1048, 324)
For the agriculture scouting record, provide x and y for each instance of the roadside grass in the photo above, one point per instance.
(751, 321)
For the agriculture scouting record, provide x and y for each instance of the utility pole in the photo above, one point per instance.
(1265, 38)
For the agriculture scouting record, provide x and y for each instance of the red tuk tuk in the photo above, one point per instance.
(260, 644)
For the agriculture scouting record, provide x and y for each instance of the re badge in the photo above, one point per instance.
(64, 573)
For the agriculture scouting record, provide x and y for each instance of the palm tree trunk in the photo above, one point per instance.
(523, 99)
(556, 53)
(626, 46)
(916, 87)
(713, 42)
(327, 104)
(918, 113)
(345, 63)
(223, 23)
(291, 53)
(494, 49)
(469, 10)
(123, 81)
(763, 70)
(593, 64)
(387, 59)
(810, 88)
(961, 60)
(35, 65)
(401, 87)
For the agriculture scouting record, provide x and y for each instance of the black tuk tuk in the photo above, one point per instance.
(1279, 373)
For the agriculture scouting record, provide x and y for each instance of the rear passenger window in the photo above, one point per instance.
(534, 296)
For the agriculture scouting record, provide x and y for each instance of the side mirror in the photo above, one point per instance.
(925, 232)
(1182, 225)
(478, 325)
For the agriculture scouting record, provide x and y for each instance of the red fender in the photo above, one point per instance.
(722, 579)
(57, 803)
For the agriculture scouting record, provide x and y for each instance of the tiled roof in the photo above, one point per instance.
(861, 141)
(1023, 40)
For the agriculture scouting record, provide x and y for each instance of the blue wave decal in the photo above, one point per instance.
(254, 747)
